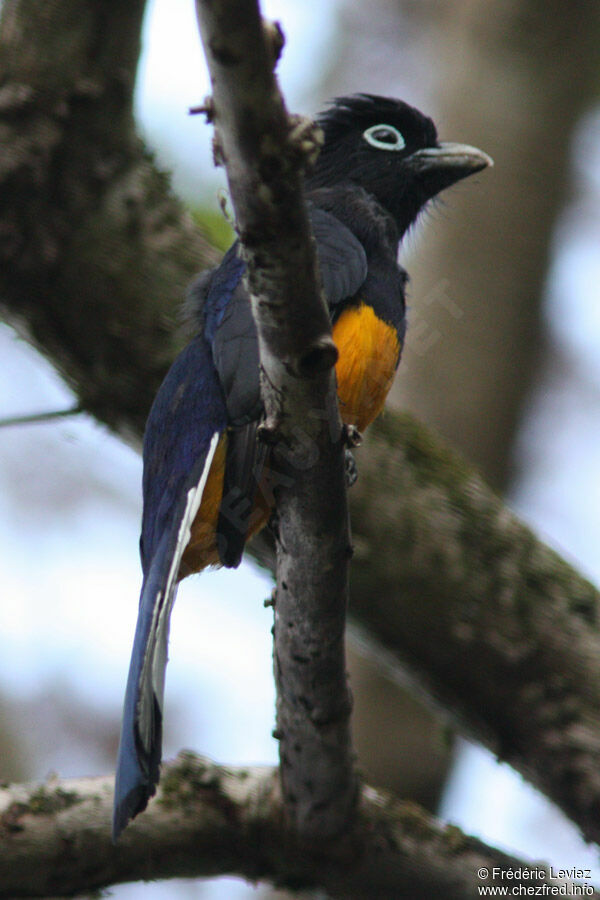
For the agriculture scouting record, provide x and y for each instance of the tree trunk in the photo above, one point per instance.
(95, 252)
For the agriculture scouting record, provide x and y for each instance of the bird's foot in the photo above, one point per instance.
(351, 436)
(350, 468)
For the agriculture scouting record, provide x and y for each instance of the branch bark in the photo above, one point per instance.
(211, 820)
(265, 152)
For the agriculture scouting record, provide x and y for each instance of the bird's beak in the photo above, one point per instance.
(439, 167)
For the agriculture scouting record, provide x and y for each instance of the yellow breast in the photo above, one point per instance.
(368, 355)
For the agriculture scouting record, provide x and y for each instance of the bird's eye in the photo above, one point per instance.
(384, 137)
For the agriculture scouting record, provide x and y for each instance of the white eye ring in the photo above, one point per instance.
(384, 137)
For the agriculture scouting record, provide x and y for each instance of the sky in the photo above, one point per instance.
(71, 578)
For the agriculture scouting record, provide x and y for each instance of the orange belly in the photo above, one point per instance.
(368, 355)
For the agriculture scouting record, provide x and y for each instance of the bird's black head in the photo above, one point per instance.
(392, 151)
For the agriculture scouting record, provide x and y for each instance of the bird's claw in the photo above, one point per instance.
(351, 436)
(350, 468)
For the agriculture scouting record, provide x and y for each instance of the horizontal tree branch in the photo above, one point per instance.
(498, 627)
(265, 152)
(209, 820)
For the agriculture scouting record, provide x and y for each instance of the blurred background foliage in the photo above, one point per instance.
(501, 359)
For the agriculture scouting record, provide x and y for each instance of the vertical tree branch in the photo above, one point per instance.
(265, 151)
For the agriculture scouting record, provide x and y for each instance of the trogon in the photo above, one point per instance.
(204, 469)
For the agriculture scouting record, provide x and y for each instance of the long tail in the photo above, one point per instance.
(139, 756)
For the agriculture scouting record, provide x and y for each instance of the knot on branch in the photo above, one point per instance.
(320, 356)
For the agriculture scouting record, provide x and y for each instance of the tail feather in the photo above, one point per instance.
(138, 764)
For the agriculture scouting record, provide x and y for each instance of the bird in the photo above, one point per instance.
(205, 473)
